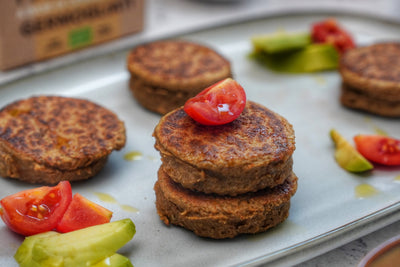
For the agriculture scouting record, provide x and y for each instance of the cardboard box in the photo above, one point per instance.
(33, 30)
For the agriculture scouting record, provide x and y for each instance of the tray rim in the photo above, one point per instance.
(324, 237)
(369, 222)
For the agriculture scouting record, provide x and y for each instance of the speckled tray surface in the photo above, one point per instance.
(325, 206)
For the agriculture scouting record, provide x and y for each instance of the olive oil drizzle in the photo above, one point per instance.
(137, 155)
(133, 155)
(365, 190)
(380, 131)
(320, 80)
(128, 208)
(105, 197)
(110, 199)
(377, 130)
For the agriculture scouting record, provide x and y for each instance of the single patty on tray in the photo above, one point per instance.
(46, 139)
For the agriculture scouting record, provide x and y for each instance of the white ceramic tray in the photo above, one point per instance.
(325, 211)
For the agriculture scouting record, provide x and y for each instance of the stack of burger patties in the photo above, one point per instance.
(166, 73)
(371, 79)
(226, 180)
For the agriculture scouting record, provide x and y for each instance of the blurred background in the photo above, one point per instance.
(150, 20)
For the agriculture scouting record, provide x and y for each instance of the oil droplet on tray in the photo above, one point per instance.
(397, 178)
(105, 197)
(376, 128)
(380, 131)
(320, 80)
(367, 119)
(133, 155)
(152, 158)
(365, 190)
(110, 199)
(128, 208)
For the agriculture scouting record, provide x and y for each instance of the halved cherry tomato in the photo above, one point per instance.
(329, 31)
(36, 210)
(83, 213)
(218, 104)
(378, 148)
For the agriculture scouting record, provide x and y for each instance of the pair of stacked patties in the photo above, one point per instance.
(222, 181)
(371, 79)
(164, 74)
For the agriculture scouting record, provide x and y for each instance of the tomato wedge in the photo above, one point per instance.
(378, 148)
(218, 104)
(329, 31)
(83, 213)
(36, 210)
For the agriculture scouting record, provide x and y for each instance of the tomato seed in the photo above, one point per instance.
(42, 208)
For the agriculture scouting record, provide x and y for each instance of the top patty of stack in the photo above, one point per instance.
(251, 153)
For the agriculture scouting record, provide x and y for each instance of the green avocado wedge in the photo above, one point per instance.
(347, 156)
(280, 42)
(312, 58)
(24, 252)
(84, 247)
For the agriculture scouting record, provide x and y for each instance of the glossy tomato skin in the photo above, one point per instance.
(36, 210)
(218, 104)
(83, 213)
(329, 31)
(379, 149)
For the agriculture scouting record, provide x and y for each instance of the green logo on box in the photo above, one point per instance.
(80, 37)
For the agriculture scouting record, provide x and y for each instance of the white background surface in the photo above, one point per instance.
(167, 18)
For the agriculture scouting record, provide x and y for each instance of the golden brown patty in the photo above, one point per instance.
(158, 99)
(356, 99)
(56, 138)
(372, 72)
(250, 153)
(222, 216)
(164, 74)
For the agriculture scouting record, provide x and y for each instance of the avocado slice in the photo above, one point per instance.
(280, 42)
(24, 252)
(116, 260)
(347, 156)
(312, 58)
(83, 247)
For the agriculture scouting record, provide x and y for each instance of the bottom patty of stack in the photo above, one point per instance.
(358, 99)
(218, 217)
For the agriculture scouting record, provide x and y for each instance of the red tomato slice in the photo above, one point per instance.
(36, 210)
(329, 31)
(378, 148)
(218, 104)
(83, 213)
